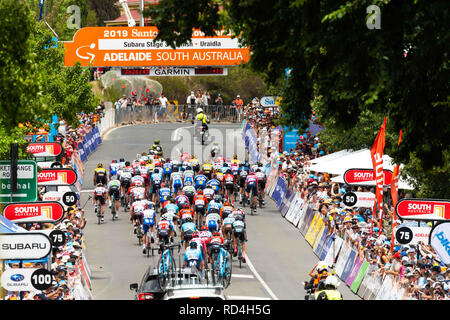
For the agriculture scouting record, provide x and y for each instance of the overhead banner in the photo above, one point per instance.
(440, 241)
(423, 209)
(45, 149)
(64, 176)
(136, 47)
(49, 211)
(359, 176)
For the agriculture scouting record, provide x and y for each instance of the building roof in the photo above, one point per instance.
(123, 18)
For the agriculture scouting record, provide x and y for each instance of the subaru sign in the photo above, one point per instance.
(17, 279)
(22, 246)
(269, 102)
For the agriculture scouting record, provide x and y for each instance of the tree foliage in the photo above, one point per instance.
(352, 73)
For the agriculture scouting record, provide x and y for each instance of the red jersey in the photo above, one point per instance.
(228, 179)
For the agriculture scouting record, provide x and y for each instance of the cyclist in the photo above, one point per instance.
(164, 193)
(167, 170)
(144, 173)
(149, 218)
(226, 210)
(165, 230)
(181, 199)
(207, 169)
(136, 192)
(228, 185)
(172, 210)
(137, 210)
(156, 148)
(114, 190)
(330, 291)
(194, 163)
(243, 173)
(189, 191)
(215, 185)
(187, 230)
(227, 226)
(261, 183)
(215, 205)
(202, 118)
(100, 195)
(235, 160)
(200, 203)
(113, 168)
(209, 193)
(205, 236)
(125, 182)
(213, 221)
(251, 185)
(155, 181)
(193, 256)
(188, 176)
(239, 234)
(176, 180)
(100, 175)
(200, 181)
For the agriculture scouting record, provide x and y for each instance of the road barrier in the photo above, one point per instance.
(362, 277)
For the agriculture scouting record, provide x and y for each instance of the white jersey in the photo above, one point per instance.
(138, 192)
(260, 175)
(137, 178)
(212, 217)
(149, 214)
(188, 173)
(208, 192)
(176, 176)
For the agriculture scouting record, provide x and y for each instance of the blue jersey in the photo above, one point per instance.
(188, 227)
(167, 168)
(193, 257)
(156, 178)
(164, 194)
(214, 205)
(225, 169)
(188, 181)
(214, 184)
(200, 181)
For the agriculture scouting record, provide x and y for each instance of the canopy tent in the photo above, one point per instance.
(339, 162)
(7, 226)
(331, 156)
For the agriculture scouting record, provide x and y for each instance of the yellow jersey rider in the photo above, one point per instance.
(203, 118)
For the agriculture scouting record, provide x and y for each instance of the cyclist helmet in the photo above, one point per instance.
(218, 198)
(199, 110)
(235, 157)
(216, 234)
(99, 165)
(238, 216)
(200, 192)
(247, 164)
(156, 141)
(114, 177)
(204, 228)
(164, 217)
(172, 200)
(226, 204)
(127, 164)
(229, 171)
(225, 165)
(188, 219)
(186, 206)
(99, 185)
(239, 211)
(195, 235)
(121, 160)
(142, 163)
(193, 244)
(114, 161)
(241, 165)
(163, 184)
(322, 266)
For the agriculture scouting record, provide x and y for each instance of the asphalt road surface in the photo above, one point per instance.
(278, 257)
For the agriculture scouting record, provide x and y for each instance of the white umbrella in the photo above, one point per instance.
(401, 184)
(331, 156)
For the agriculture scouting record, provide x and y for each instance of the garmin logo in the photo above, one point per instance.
(444, 242)
(24, 246)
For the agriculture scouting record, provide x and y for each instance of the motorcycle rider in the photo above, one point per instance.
(203, 118)
(157, 147)
(330, 291)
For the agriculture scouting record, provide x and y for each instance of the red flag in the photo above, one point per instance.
(394, 193)
(377, 161)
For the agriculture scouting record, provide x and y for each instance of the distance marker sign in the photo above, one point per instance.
(24, 246)
(423, 209)
(359, 199)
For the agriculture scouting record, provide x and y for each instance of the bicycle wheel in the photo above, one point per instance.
(240, 253)
(228, 271)
(139, 234)
(99, 214)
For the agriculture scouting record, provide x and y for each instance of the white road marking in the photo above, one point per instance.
(264, 284)
(86, 191)
(247, 298)
(248, 276)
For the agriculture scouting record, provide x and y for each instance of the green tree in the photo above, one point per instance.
(334, 56)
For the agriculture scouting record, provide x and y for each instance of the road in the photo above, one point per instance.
(278, 257)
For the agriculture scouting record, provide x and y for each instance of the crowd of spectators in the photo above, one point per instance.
(416, 267)
(64, 259)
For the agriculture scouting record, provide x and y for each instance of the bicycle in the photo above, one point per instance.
(222, 266)
(239, 252)
(166, 264)
(113, 207)
(139, 233)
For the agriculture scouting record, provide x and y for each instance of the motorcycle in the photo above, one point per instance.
(201, 133)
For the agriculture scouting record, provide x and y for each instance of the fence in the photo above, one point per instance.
(354, 270)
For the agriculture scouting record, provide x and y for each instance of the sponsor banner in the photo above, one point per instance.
(24, 246)
(299, 211)
(348, 265)
(334, 251)
(320, 240)
(440, 241)
(136, 47)
(18, 279)
(423, 209)
(313, 228)
(82, 152)
(359, 199)
(34, 212)
(270, 101)
(64, 176)
(308, 217)
(293, 206)
(326, 247)
(359, 176)
(360, 276)
(45, 149)
(286, 201)
(342, 259)
(54, 196)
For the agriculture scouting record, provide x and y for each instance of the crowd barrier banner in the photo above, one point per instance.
(318, 246)
(318, 233)
(286, 201)
(299, 210)
(334, 251)
(371, 284)
(360, 276)
(357, 263)
(293, 208)
(307, 219)
(313, 229)
(348, 265)
(342, 259)
(323, 250)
